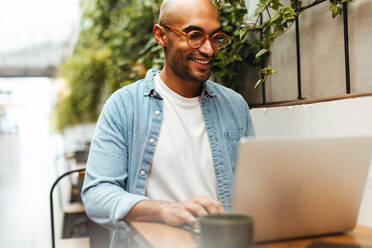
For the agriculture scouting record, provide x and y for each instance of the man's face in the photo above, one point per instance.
(192, 64)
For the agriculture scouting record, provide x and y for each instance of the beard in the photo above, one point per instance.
(183, 70)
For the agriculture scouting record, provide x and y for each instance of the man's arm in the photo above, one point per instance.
(249, 129)
(104, 195)
(174, 213)
(105, 199)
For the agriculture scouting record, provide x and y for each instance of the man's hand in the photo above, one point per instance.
(174, 213)
(186, 212)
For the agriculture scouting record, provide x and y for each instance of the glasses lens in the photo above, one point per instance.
(196, 39)
(219, 40)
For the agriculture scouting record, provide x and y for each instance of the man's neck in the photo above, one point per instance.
(182, 87)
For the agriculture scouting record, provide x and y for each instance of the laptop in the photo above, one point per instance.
(299, 187)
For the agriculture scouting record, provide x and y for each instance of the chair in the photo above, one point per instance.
(71, 242)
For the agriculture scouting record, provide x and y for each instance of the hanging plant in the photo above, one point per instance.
(278, 18)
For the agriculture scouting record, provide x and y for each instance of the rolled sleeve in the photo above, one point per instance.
(104, 196)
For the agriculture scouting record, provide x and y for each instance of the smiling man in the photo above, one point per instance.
(165, 147)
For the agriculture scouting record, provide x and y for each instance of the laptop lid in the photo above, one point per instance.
(297, 187)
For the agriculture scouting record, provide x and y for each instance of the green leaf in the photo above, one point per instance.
(258, 83)
(151, 43)
(242, 31)
(287, 13)
(268, 71)
(237, 57)
(261, 52)
(333, 8)
(258, 11)
(156, 48)
(276, 4)
(274, 17)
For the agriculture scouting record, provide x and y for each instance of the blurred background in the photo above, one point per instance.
(60, 61)
(35, 37)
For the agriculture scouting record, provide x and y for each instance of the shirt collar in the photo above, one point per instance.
(149, 81)
(150, 87)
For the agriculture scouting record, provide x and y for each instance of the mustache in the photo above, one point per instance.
(201, 55)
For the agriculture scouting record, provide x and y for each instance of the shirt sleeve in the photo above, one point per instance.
(104, 196)
(249, 128)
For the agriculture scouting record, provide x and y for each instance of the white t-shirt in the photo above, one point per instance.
(182, 165)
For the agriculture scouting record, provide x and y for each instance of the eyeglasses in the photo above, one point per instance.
(196, 38)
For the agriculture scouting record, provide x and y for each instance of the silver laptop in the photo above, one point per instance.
(301, 187)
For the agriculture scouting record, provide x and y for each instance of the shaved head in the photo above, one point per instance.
(185, 67)
(174, 11)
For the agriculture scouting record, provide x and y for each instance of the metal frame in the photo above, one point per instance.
(51, 200)
(298, 50)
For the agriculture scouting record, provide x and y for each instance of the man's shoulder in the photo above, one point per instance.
(130, 88)
(138, 88)
(222, 91)
(124, 96)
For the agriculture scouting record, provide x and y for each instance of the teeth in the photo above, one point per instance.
(203, 62)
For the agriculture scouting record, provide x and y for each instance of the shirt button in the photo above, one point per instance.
(152, 141)
(157, 112)
(142, 172)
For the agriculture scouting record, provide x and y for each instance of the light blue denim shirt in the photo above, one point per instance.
(125, 138)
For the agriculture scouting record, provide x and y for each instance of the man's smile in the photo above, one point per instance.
(201, 61)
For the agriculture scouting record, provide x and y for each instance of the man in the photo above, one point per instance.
(165, 147)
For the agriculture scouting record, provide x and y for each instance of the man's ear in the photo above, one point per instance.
(159, 34)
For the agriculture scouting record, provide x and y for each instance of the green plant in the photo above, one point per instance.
(84, 73)
(278, 19)
(239, 54)
(116, 47)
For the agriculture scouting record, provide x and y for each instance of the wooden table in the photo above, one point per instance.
(157, 235)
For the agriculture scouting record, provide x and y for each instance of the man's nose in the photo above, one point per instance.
(207, 48)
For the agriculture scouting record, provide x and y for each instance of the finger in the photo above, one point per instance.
(180, 217)
(211, 205)
(175, 214)
(196, 209)
(196, 225)
(220, 208)
(189, 218)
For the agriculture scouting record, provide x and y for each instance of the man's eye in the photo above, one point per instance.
(195, 35)
(220, 38)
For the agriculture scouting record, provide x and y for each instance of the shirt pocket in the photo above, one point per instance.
(232, 138)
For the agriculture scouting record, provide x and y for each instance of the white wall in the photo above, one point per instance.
(335, 118)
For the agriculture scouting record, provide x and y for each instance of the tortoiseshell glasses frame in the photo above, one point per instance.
(196, 38)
